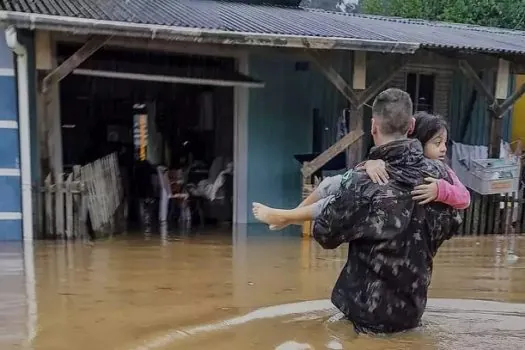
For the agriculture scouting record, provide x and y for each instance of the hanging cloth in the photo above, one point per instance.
(342, 129)
(342, 125)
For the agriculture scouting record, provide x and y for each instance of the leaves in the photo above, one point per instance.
(494, 13)
(332, 5)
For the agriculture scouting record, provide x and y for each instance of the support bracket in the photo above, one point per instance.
(497, 109)
(63, 70)
(309, 168)
(381, 82)
(356, 99)
(471, 75)
(335, 78)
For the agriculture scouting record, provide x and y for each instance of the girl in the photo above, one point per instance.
(430, 130)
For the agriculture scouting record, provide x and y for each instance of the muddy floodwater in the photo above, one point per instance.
(246, 290)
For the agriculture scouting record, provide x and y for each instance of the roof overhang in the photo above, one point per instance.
(232, 79)
(84, 26)
(189, 70)
(193, 75)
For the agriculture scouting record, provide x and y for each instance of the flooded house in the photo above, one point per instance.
(189, 110)
(251, 92)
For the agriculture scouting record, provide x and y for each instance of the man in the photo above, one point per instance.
(392, 240)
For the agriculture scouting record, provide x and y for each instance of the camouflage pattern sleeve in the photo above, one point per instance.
(336, 223)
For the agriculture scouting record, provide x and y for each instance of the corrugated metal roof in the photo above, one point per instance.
(235, 16)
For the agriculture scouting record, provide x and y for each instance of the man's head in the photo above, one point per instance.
(391, 116)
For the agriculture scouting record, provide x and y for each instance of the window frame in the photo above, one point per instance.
(418, 78)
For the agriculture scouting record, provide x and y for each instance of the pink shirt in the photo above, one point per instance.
(456, 194)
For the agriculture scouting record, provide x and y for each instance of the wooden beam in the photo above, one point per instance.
(496, 124)
(498, 109)
(335, 78)
(309, 168)
(356, 99)
(359, 78)
(503, 107)
(502, 80)
(355, 151)
(63, 70)
(380, 83)
(470, 74)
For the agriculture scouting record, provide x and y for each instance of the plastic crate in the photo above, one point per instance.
(494, 176)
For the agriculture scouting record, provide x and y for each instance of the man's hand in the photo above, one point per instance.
(376, 170)
(424, 194)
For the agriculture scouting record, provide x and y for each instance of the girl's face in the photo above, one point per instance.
(436, 147)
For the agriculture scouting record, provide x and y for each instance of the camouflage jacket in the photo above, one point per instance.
(392, 240)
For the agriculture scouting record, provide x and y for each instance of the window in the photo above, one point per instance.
(421, 90)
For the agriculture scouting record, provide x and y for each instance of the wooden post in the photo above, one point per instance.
(366, 94)
(77, 200)
(59, 205)
(82, 207)
(307, 189)
(356, 100)
(69, 189)
(44, 51)
(48, 200)
(501, 93)
(355, 150)
(495, 135)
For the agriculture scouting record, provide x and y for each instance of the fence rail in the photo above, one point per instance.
(88, 199)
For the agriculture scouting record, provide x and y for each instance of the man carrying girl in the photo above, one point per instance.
(392, 239)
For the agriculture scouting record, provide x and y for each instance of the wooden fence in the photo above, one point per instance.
(493, 215)
(86, 200)
(104, 192)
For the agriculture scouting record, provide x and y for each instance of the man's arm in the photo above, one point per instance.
(338, 222)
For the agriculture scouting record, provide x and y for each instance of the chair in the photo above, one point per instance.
(214, 194)
(167, 194)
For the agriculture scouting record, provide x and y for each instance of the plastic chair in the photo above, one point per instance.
(166, 194)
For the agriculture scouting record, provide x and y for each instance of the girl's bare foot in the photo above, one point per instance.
(268, 215)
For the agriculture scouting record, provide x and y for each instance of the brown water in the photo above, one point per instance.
(209, 291)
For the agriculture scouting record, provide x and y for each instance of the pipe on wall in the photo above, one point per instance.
(24, 130)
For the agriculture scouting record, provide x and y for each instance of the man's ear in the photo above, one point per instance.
(373, 127)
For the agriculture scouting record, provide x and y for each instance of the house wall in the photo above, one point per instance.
(518, 114)
(10, 205)
(452, 94)
(474, 130)
(423, 63)
(280, 124)
(280, 116)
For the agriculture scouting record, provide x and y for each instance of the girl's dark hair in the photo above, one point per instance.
(427, 126)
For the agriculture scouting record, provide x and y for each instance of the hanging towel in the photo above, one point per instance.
(342, 130)
(342, 126)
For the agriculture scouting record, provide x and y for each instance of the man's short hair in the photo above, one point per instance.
(393, 110)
